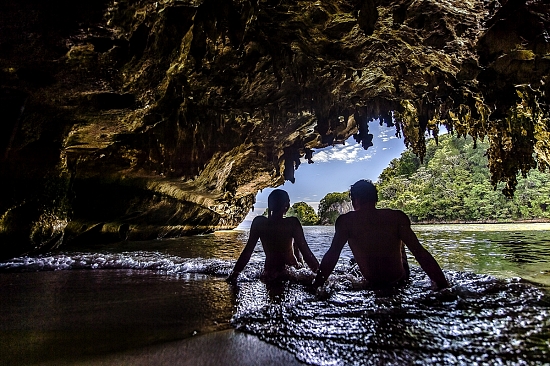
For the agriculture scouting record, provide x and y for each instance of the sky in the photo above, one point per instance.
(336, 168)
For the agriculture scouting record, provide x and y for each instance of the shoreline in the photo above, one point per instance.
(458, 222)
(487, 222)
(225, 347)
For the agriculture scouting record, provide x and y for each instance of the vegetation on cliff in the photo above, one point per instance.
(333, 205)
(453, 184)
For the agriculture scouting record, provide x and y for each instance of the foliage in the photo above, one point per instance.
(333, 205)
(454, 184)
(304, 212)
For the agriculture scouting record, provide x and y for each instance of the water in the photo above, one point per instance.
(73, 305)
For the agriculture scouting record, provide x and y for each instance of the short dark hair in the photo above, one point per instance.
(364, 191)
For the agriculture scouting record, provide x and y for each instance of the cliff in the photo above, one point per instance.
(140, 119)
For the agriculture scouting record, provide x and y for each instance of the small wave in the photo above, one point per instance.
(139, 260)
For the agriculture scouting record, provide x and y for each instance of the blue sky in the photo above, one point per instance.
(337, 168)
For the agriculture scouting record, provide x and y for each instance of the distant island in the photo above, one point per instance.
(452, 184)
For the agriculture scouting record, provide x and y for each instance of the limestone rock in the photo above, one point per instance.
(141, 119)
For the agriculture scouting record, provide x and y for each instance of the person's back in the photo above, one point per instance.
(282, 239)
(277, 237)
(376, 238)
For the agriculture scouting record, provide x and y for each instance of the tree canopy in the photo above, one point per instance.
(304, 212)
(454, 184)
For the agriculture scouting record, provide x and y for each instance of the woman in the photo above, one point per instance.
(282, 239)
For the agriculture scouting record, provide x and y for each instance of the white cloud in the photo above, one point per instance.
(349, 153)
(387, 134)
(352, 152)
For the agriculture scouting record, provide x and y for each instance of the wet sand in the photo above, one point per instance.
(228, 347)
(120, 317)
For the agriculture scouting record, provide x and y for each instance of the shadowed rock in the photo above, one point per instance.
(166, 118)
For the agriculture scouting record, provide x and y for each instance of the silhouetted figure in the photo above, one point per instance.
(377, 238)
(282, 239)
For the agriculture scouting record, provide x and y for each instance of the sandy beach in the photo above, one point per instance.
(228, 347)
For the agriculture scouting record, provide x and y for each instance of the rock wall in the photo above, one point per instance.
(140, 119)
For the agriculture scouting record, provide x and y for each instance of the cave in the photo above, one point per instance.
(136, 120)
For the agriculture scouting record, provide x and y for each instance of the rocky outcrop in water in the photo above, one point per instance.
(144, 119)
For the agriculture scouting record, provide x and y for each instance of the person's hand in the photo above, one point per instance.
(318, 281)
(314, 287)
(315, 268)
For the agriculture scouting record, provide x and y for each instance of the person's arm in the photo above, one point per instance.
(246, 253)
(298, 254)
(331, 256)
(424, 258)
(303, 249)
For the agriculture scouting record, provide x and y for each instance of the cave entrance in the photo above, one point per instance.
(335, 169)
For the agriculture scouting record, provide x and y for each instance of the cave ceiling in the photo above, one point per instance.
(140, 119)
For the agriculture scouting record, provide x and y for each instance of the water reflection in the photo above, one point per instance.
(68, 315)
(484, 249)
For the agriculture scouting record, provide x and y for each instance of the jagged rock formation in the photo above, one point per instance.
(332, 212)
(142, 119)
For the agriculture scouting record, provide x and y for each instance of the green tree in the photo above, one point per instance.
(453, 184)
(406, 165)
(304, 212)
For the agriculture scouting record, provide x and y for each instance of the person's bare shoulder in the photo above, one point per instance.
(396, 215)
(346, 219)
(292, 221)
(258, 221)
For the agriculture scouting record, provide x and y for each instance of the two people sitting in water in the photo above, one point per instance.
(376, 238)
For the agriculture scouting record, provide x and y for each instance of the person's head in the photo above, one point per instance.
(278, 201)
(363, 191)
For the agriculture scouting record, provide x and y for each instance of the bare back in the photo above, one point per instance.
(281, 238)
(375, 240)
(277, 236)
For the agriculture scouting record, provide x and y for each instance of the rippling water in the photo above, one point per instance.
(496, 312)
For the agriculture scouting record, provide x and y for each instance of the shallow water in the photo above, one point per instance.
(67, 306)
(480, 320)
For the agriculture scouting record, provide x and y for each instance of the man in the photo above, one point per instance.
(376, 238)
